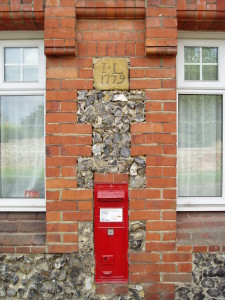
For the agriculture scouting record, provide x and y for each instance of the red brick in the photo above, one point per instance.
(61, 73)
(137, 204)
(120, 289)
(169, 236)
(85, 205)
(177, 257)
(152, 236)
(160, 246)
(59, 248)
(184, 268)
(144, 257)
(177, 277)
(144, 193)
(161, 204)
(62, 227)
(70, 238)
(184, 248)
(53, 216)
(214, 248)
(103, 289)
(53, 238)
(61, 161)
(160, 225)
(76, 151)
(77, 216)
(60, 183)
(68, 172)
(144, 215)
(76, 128)
(77, 194)
(144, 278)
(145, 150)
(61, 205)
(200, 248)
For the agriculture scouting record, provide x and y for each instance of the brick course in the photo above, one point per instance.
(22, 232)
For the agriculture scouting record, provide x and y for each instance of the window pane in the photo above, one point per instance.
(30, 73)
(30, 56)
(12, 56)
(210, 55)
(22, 146)
(192, 72)
(209, 72)
(191, 54)
(12, 73)
(200, 145)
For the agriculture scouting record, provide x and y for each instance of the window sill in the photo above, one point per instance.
(23, 204)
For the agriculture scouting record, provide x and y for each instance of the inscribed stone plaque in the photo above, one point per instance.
(111, 74)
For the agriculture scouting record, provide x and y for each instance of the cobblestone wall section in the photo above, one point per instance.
(111, 113)
(208, 278)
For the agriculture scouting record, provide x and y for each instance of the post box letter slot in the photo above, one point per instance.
(107, 272)
(111, 196)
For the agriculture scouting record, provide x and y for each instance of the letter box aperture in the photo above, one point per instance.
(111, 233)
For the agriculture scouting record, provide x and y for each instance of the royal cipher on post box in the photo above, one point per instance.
(111, 233)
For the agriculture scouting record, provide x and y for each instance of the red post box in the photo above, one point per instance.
(111, 233)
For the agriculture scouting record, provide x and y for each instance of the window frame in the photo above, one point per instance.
(206, 88)
(26, 89)
(23, 85)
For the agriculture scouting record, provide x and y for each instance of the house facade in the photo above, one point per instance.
(112, 122)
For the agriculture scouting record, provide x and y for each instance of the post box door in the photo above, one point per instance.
(111, 232)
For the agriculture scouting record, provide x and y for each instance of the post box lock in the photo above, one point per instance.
(107, 259)
(111, 233)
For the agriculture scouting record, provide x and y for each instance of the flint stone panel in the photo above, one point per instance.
(208, 280)
(111, 113)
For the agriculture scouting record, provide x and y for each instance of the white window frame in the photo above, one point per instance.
(206, 88)
(23, 39)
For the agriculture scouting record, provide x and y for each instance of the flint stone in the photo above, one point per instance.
(137, 181)
(82, 95)
(140, 161)
(217, 271)
(125, 152)
(199, 296)
(2, 292)
(213, 292)
(108, 120)
(120, 97)
(207, 282)
(183, 291)
(118, 112)
(133, 169)
(96, 149)
(11, 292)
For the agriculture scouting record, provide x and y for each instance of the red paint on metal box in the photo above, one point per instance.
(111, 233)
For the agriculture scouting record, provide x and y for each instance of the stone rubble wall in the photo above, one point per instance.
(208, 278)
(111, 113)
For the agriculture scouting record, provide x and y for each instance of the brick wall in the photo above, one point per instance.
(201, 228)
(21, 15)
(22, 232)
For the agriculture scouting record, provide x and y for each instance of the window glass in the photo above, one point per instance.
(201, 63)
(200, 145)
(21, 64)
(22, 146)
